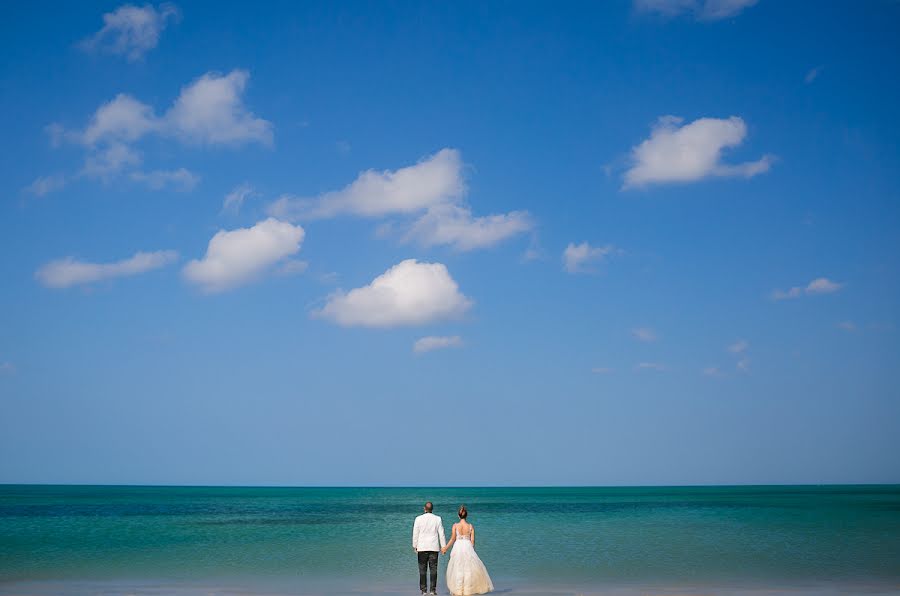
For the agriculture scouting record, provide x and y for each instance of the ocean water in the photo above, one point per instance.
(579, 539)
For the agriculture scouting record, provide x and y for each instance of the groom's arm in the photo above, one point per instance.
(416, 535)
(441, 534)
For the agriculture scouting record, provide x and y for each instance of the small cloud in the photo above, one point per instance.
(739, 346)
(713, 371)
(409, 293)
(650, 366)
(743, 365)
(132, 31)
(180, 179)
(434, 180)
(237, 257)
(234, 200)
(433, 342)
(292, 267)
(645, 334)
(455, 226)
(812, 75)
(602, 370)
(578, 257)
(46, 184)
(343, 147)
(702, 10)
(690, 152)
(69, 271)
(820, 285)
(7, 369)
(849, 326)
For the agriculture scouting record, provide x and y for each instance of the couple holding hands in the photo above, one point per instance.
(466, 574)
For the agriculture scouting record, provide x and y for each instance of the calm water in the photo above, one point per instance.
(679, 536)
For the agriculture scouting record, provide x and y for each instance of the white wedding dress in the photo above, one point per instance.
(466, 574)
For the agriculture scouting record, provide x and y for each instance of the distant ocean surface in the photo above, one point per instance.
(580, 538)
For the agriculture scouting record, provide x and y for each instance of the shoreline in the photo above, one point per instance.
(357, 587)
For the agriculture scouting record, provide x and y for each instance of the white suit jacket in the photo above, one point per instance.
(428, 533)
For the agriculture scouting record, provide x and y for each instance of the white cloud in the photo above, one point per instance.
(712, 371)
(434, 180)
(181, 179)
(208, 111)
(743, 365)
(813, 74)
(435, 342)
(645, 334)
(409, 293)
(739, 346)
(132, 31)
(434, 189)
(650, 366)
(239, 256)
(453, 225)
(234, 200)
(820, 285)
(848, 326)
(676, 153)
(704, 10)
(123, 119)
(46, 184)
(69, 271)
(107, 163)
(577, 257)
(211, 111)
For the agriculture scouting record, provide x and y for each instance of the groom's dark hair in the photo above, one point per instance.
(428, 507)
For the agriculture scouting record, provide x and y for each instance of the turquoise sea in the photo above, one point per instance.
(72, 539)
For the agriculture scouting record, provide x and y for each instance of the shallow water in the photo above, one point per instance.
(569, 537)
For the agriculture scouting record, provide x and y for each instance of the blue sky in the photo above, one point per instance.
(649, 242)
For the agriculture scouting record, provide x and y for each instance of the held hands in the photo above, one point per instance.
(444, 551)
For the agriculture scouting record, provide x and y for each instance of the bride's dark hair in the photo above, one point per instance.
(463, 512)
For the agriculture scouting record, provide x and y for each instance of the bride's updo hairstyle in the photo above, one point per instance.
(463, 512)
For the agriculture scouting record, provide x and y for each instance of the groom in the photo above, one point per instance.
(428, 539)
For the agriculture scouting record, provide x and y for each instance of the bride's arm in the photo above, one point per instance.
(472, 535)
(452, 539)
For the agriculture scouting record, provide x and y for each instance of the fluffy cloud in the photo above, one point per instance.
(131, 31)
(239, 256)
(211, 111)
(46, 184)
(409, 293)
(434, 189)
(820, 285)
(577, 257)
(234, 200)
(69, 271)
(454, 225)
(434, 180)
(676, 153)
(208, 111)
(704, 10)
(644, 334)
(435, 342)
(181, 179)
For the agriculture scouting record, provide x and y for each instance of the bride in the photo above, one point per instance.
(466, 573)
